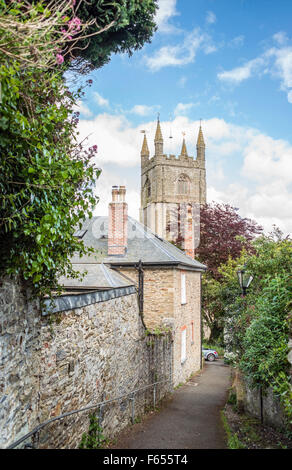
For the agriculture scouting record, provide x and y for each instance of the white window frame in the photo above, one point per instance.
(183, 351)
(183, 288)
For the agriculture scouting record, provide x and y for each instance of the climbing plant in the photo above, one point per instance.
(94, 438)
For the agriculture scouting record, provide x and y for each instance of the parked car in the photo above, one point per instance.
(210, 354)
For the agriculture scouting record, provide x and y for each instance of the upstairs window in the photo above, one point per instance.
(183, 184)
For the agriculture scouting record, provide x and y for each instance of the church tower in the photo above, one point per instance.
(172, 190)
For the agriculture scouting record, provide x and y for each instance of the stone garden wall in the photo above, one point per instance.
(249, 400)
(53, 364)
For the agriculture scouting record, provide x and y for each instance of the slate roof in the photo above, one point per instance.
(142, 244)
(97, 277)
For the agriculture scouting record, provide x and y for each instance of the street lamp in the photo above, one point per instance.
(244, 279)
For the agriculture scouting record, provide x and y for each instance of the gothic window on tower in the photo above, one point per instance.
(183, 184)
(147, 188)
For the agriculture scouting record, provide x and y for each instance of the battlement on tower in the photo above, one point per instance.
(182, 159)
(170, 180)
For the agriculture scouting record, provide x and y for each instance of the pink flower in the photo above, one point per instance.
(60, 59)
(74, 24)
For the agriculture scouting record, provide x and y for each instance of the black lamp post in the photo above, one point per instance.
(244, 279)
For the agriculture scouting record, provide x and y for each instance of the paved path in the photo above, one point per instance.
(190, 420)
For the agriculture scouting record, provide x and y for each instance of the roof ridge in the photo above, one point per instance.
(108, 275)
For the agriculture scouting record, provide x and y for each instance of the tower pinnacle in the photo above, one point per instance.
(184, 151)
(145, 149)
(200, 141)
(201, 147)
(158, 141)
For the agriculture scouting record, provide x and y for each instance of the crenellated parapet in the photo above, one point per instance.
(159, 157)
(167, 181)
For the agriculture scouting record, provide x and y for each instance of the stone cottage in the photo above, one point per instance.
(168, 280)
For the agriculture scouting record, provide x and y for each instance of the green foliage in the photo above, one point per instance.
(259, 324)
(33, 35)
(233, 441)
(217, 295)
(46, 179)
(133, 26)
(265, 343)
(94, 439)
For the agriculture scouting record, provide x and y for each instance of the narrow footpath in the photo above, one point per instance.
(190, 420)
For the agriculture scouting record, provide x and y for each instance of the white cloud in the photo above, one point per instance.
(283, 65)
(103, 190)
(211, 17)
(281, 37)
(183, 108)
(166, 10)
(82, 108)
(245, 168)
(143, 110)
(181, 54)
(117, 141)
(244, 72)
(267, 160)
(275, 61)
(104, 103)
(237, 41)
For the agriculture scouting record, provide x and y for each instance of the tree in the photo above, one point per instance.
(131, 25)
(223, 235)
(225, 240)
(46, 178)
(260, 323)
(218, 294)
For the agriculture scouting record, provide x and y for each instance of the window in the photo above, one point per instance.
(183, 344)
(183, 289)
(147, 189)
(183, 184)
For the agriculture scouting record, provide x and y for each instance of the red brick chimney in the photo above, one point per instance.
(118, 222)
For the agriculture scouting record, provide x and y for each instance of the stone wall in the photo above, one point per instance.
(20, 343)
(249, 400)
(54, 364)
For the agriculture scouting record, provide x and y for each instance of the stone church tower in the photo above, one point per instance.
(172, 191)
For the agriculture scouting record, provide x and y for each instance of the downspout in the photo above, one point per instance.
(139, 268)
